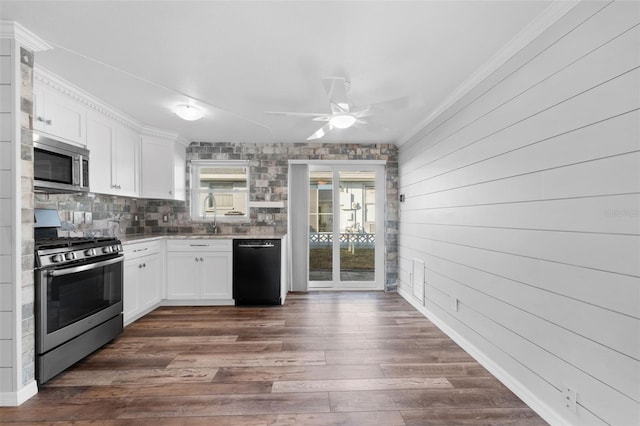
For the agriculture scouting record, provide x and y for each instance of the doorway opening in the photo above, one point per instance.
(346, 227)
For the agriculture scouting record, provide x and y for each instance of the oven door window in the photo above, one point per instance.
(53, 167)
(73, 297)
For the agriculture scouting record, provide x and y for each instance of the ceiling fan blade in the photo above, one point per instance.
(321, 132)
(299, 114)
(390, 105)
(336, 88)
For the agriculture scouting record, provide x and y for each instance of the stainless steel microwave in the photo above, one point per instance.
(60, 167)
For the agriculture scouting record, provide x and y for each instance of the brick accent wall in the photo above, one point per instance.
(269, 166)
(27, 204)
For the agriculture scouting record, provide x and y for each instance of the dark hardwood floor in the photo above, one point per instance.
(322, 359)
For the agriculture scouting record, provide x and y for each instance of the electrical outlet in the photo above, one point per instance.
(165, 218)
(78, 217)
(88, 217)
(570, 398)
(135, 218)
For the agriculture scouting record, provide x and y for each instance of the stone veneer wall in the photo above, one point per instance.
(105, 215)
(269, 168)
(26, 205)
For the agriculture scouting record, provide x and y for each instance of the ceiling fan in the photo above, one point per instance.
(344, 113)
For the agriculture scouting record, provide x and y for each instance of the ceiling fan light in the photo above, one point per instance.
(188, 112)
(342, 121)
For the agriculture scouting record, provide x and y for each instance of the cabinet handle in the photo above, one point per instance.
(143, 249)
(140, 266)
(170, 192)
(199, 245)
(144, 265)
(47, 122)
(196, 259)
(201, 260)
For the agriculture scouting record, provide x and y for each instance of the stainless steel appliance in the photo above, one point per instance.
(60, 167)
(256, 272)
(78, 306)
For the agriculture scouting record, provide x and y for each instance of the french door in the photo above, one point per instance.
(346, 227)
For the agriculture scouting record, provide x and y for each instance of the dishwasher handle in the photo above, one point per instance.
(256, 245)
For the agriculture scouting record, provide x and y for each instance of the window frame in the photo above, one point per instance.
(196, 191)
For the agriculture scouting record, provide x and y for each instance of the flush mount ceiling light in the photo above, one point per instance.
(188, 112)
(342, 121)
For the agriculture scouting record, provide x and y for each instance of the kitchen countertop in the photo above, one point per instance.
(135, 238)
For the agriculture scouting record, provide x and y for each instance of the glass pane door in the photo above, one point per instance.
(346, 237)
(357, 225)
(321, 228)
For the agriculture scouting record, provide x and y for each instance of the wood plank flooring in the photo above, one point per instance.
(349, 358)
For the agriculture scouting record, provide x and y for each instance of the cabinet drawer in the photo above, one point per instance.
(135, 250)
(199, 245)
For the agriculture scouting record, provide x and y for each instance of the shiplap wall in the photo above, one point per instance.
(7, 207)
(523, 200)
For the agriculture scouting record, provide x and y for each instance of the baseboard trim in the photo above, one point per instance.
(513, 384)
(14, 399)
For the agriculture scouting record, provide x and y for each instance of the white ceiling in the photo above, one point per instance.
(237, 59)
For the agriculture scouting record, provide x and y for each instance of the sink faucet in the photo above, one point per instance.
(212, 228)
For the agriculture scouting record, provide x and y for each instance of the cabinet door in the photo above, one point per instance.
(130, 298)
(125, 160)
(59, 115)
(150, 281)
(157, 168)
(100, 133)
(215, 275)
(182, 279)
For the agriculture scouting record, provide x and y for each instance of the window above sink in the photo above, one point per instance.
(220, 190)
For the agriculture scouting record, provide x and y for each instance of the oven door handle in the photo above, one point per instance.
(76, 269)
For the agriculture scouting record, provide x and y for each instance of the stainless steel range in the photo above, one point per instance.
(78, 304)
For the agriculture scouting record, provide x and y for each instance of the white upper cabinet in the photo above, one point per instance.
(58, 114)
(163, 167)
(114, 156)
(126, 158)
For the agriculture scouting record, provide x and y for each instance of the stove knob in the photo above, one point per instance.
(57, 258)
(70, 256)
(90, 252)
(116, 248)
(107, 249)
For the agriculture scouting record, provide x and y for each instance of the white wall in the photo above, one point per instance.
(523, 200)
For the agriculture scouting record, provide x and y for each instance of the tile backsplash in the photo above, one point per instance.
(107, 215)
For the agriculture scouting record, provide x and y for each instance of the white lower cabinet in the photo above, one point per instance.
(143, 279)
(199, 271)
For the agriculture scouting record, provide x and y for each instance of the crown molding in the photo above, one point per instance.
(62, 86)
(164, 134)
(548, 17)
(13, 30)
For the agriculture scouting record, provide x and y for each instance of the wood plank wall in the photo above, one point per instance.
(523, 200)
(7, 208)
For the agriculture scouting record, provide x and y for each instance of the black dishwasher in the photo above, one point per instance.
(256, 272)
